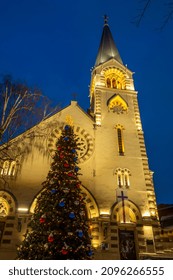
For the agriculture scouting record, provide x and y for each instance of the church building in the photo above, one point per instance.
(116, 179)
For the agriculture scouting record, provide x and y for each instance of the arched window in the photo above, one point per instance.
(8, 168)
(12, 169)
(119, 179)
(123, 177)
(5, 168)
(115, 78)
(120, 142)
(114, 83)
(126, 179)
(108, 81)
(119, 85)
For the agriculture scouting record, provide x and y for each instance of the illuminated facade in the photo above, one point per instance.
(116, 182)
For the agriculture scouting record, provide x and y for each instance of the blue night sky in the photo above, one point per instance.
(41, 38)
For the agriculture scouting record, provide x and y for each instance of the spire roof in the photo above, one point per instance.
(107, 48)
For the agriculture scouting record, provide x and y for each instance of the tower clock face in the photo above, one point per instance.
(85, 142)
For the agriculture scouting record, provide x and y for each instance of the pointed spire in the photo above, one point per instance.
(107, 48)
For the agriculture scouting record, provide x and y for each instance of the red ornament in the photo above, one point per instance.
(64, 251)
(70, 174)
(42, 219)
(50, 237)
(66, 164)
(61, 155)
(59, 148)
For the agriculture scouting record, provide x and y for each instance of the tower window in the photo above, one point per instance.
(108, 83)
(113, 83)
(115, 78)
(119, 85)
(120, 142)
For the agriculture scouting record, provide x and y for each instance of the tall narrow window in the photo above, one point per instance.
(119, 179)
(108, 83)
(126, 180)
(12, 169)
(114, 83)
(5, 168)
(120, 142)
(9, 168)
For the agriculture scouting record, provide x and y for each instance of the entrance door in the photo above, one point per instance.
(127, 245)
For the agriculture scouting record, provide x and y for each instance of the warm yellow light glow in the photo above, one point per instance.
(98, 119)
(153, 212)
(146, 214)
(69, 120)
(117, 101)
(4, 207)
(95, 244)
(92, 86)
(22, 209)
(139, 126)
(115, 78)
(105, 212)
(148, 232)
(98, 83)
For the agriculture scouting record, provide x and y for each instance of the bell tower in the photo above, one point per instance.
(123, 181)
(109, 75)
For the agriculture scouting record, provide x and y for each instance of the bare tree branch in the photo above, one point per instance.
(167, 15)
(139, 17)
(20, 108)
(23, 114)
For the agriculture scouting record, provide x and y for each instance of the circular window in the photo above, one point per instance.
(85, 142)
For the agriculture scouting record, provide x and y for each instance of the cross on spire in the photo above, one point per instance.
(106, 19)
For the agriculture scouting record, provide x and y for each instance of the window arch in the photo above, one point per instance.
(114, 83)
(131, 211)
(115, 78)
(117, 104)
(123, 177)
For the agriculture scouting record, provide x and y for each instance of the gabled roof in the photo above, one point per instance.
(107, 48)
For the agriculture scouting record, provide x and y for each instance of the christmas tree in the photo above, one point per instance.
(59, 229)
